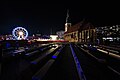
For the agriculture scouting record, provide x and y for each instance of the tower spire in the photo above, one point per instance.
(67, 16)
(67, 24)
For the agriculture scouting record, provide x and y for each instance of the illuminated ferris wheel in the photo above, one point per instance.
(20, 33)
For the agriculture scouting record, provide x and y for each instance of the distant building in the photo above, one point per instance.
(53, 37)
(108, 34)
(81, 32)
(6, 37)
(38, 35)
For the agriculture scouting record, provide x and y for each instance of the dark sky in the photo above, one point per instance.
(39, 17)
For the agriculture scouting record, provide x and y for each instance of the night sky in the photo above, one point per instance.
(43, 18)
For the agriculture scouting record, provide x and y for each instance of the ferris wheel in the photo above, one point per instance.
(20, 33)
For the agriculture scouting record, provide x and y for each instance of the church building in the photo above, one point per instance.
(83, 32)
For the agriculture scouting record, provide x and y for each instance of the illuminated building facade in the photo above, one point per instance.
(108, 34)
(53, 37)
(83, 32)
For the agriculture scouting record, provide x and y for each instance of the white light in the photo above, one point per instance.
(104, 38)
(109, 38)
(54, 37)
(21, 33)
